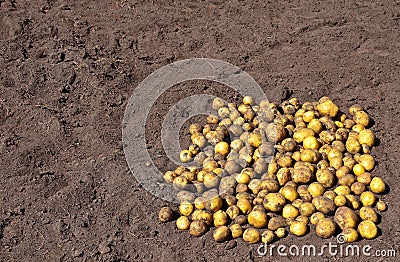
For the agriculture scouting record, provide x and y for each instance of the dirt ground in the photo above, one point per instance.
(67, 69)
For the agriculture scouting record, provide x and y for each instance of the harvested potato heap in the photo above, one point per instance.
(259, 171)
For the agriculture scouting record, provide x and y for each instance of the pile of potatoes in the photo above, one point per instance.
(261, 171)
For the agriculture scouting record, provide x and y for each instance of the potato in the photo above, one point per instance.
(367, 161)
(240, 219)
(325, 228)
(346, 180)
(358, 188)
(289, 211)
(267, 236)
(298, 228)
(368, 213)
(211, 180)
(366, 137)
(222, 233)
(186, 208)
(233, 211)
(311, 142)
(166, 214)
(244, 205)
(328, 108)
(307, 209)
(236, 230)
(222, 148)
(197, 228)
(368, 198)
(204, 216)
(243, 178)
(340, 200)
(302, 219)
(362, 118)
(346, 218)
(353, 201)
(276, 222)
(330, 194)
(367, 229)
(325, 177)
(251, 235)
(350, 235)
(214, 204)
(297, 203)
(358, 169)
(183, 223)
(381, 206)
(232, 167)
(301, 134)
(342, 190)
(274, 202)
(257, 218)
(316, 189)
(309, 155)
(220, 218)
(323, 204)
(316, 217)
(352, 145)
(302, 175)
(377, 185)
(289, 193)
(283, 175)
(280, 232)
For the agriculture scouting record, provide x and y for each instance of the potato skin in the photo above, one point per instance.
(222, 233)
(197, 228)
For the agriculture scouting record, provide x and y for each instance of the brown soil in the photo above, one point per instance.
(67, 70)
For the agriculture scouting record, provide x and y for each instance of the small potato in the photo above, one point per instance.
(311, 142)
(232, 167)
(302, 175)
(244, 205)
(328, 108)
(368, 198)
(340, 200)
(368, 213)
(307, 209)
(236, 230)
(298, 228)
(257, 218)
(214, 204)
(222, 233)
(353, 146)
(220, 218)
(309, 155)
(222, 148)
(251, 235)
(280, 232)
(297, 203)
(362, 118)
(367, 229)
(274, 202)
(197, 228)
(346, 180)
(316, 189)
(316, 217)
(342, 190)
(367, 162)
(302, 219)
(283, 175)
(350, 235)
(323, 204)
(381, 206)
(325, 177)
(186, 208)
(267, 236)
(301, 134)
(290, 211)
(358, 188)
(358, 169)
(315, 125)
(166, 214)
(276, 222)
(346, 218)
(325, 228)
(233, 211)
(366, 137)
(183, 223)
(353, 201)
(330, 194)
(289, 193)
(377, 185)
(240, 219)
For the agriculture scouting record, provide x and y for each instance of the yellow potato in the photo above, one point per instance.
(368, 229)
(325, 228)
(377, 185)
(183, 223)
(222, 233)
(290, 211)
(350, 235)
(368, 198)
(267, 236)
(257, 218)
(251, 235)
(197, 228)
(236, 230)
(298, 228)
(368, 213)
(366, 137)
(274, 202)
(346, 218)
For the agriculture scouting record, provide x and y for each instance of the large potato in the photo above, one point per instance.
(302, 175)
(325, 228)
